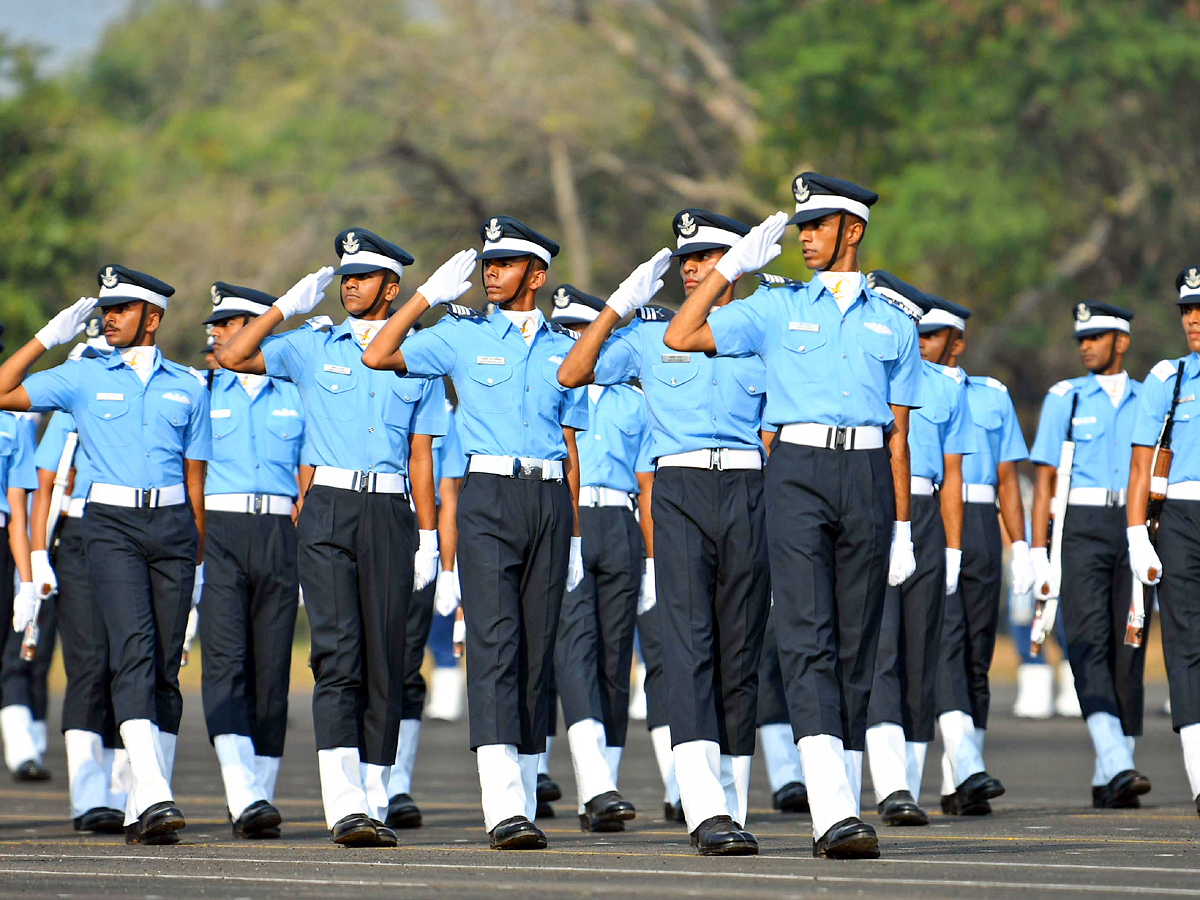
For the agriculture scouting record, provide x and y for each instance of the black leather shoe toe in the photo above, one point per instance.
(673, 813)
(547, 789)
(517, 833)
(721, 836)
(791, 798)
(606, 812)
(1125, 789)
(157, 824)
(256, 819)
(354, 830)
(101, 820)
(384, 836)
(31, 770)
(850, 838)
(899, 808)
(403, 812)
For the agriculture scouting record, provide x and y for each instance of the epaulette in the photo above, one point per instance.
(654, 313)
(1061, 389)
(463, 312)
(954, 374)
(319, 323)
(201, 377)
(1163, 370)
(558, 328)
(903, 304)
(83, 351)
(769, 280)
(996, 383)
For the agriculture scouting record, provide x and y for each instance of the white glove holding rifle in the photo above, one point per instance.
(1142, 557)
(43, 574)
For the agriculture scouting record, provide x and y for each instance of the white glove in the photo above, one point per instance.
(425, 561)
(300, 597)
(649, 595)
(1021, 568)
(953, 569)
(66, 324)
(901, 561)
(755, 250)
(43, 574)
(303, 297)
(198, 586)
(448, 593)
(1142, 558)
(451, 280)
(643, 283)
(575, 566)
(24, 606)
(1040, 558)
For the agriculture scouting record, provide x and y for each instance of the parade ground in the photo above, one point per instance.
(1044, 838)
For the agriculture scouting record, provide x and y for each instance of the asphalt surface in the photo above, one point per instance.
(1044, 839)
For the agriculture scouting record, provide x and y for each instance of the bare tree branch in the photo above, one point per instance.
(570, 215)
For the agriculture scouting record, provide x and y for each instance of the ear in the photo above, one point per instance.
(957, 346)
(1122, 342)
(855, 229)
(391, 291)
(537, 279)
(153, 318)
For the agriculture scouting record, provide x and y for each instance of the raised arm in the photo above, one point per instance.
(60, 329)
(242, 353)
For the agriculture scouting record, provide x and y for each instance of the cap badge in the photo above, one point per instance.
(800, 190)
(350, 244)
(1192, 279)
(208, 329)
(109, 279)
(216, 295)
(93, 328)
(561, 299)
(1082, 313)
(493, 231)
(687, 225)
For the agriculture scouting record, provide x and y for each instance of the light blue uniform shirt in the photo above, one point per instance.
(942, 425)
(449, 461)
(696, 401)
(1153, 403)
(509, 400)
(822, 366)
(17, 469)
(256, 443)
(997, 432)
(618, 442)
(1101, 433)
(136, 435)
(49, 452)
(357, 418)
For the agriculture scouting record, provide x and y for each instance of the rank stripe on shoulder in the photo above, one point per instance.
(769, 280)
(1163, 370)
(463, 312)
(653, 314)
(995, 383)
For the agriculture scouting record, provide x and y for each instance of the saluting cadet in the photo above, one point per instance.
(1173, 386)
(1097, 412)
(249, 606)
(902, 709)
(843, 368)
(710, 535)
(594, 649)
(359, 559)
(968, 640)
(143, 422)
(519, 544)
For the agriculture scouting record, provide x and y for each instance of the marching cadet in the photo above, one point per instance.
(989, 473)
(903, 705)
(1171, 389)
(843, 369)
(143, 422)
(710, 538)
(594, 649)
(518, 527)
(250, 582)
(97, 769)
(1097, 412)
(359, 553)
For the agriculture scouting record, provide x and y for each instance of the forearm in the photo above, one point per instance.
(241, 354)
(1040, 515)
(951, 500)
(579, 367)
(572, 476)
(1137, 497)
(420, 477)
(384, 350)
(18, 534)
(645, 518)
(1012, 510)
(194, 477)
(901, 467)
(12, 373)
(41, 509)
(447, 523)
(688, 329)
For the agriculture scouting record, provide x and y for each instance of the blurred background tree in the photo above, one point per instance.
(1029, 153)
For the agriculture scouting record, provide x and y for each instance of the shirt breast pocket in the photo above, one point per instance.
(1087, 432)
(223, 426)
(746, 403)
(283, 437)
(8, 443)
(491, 388)
(926, 427)
(333, 386)
(670, 381)
(175, 416)
(552, 393)
(807, 358)
(403, 396)
(107, 418)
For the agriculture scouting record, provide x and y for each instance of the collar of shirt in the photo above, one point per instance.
(1093, 385)
(527, 322)
(364, 329)
(843, 287)
(594, 392)
(141, 359)
(253, 384)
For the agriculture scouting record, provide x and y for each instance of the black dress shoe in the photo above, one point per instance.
(517, 833)
(606, 812)
(673, 813)
(157, 824)
(850, 838)
(101, 820)
(972, 796)
(791, 798)
(31, 770)
(354, 830)
(547, 789)
(403, 812)
(899, 808)
(257, 820)
(952, 805)
(384, 836)
(1198, 804)
(544, 811)
(721, 836)
(1124, 790)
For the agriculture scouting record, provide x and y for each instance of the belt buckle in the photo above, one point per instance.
(258, 504)
(144, 498)
(716, 462)
(839, 437)
(528, 469)
(360, 482)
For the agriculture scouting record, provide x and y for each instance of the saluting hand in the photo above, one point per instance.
(1142, 557)
(755, 250)
(303, 297)
(66, 324)
(451, 280)
(643, 283)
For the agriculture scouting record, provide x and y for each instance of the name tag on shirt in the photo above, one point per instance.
(110, 396)
(877, 327)
(677, 357)
(489, 360)
(804, 326)
(220, 413)
(337, 370)
(1084, 420)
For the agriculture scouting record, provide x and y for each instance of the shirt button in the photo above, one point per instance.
(108, 415)
(843, 356)
(147, 454)
(334, 386)
(371, 430)
(527, 389)
(801, 348)
(489, 381)
(597, 437)
(526, 424)
(845, 393)
(714, 382)
(145, 423)
(372, 392)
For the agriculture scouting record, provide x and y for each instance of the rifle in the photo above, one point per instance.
(1160, 469)
(61, 475)
(1047, 603)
